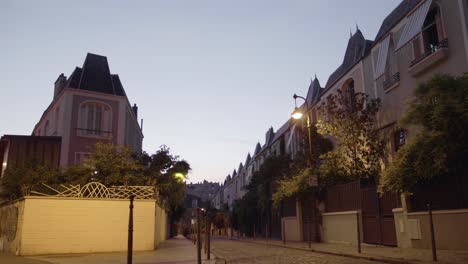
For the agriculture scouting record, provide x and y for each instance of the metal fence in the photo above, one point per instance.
(343, 197)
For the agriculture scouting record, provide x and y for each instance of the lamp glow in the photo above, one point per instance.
(179, 176)
(297, 114)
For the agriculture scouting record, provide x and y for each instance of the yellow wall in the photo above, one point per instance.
(76, 225)
(340, 227)
(292, 231)
(449, 229)
(160, 226)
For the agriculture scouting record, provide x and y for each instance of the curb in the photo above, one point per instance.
(383, 260)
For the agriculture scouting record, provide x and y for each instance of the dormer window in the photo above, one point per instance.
(95, 120)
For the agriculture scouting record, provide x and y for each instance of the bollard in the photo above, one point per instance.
(205, 236)
(130, 231)
(431, 225)
(358, 232)
(209, 240)
(198, 237)
(284, 232)
(309, 231)
(254, 233)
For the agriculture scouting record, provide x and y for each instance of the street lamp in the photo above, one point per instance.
(297, 114)
(313, 181)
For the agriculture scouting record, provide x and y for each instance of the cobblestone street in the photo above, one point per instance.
(232, 251)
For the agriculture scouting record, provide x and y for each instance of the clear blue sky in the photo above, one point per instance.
(209, 77)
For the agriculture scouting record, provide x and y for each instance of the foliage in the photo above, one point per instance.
(168, 172)
(256, 202)
(110, 165)
(439, 110)
(20, 179)
(351, 122)
(296, 181)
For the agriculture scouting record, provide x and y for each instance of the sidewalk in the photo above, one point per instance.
(177, 250)
(373, 252)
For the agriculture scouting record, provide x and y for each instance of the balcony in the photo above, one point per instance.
(391, 82)
(433, 55)
(83, 132)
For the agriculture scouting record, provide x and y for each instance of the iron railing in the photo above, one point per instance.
(93, 133)
(391, 81)
(430, 50)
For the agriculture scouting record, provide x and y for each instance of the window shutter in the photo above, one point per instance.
(417, 48)
(440, 28)
(414, 24)
(82, 117)
(106, 120)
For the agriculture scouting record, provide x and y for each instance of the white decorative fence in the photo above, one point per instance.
(99, 190)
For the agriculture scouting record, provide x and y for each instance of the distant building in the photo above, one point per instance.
(205, 190)
(90, 106)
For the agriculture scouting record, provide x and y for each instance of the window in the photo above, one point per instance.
(399, 138)
(391, 74)
(95, 119)
(80, 157)
(432, 35)
(194, 203)
(432, 31)
(348, 95)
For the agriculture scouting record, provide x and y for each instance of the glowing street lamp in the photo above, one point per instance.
(179, 176)
(297, 114)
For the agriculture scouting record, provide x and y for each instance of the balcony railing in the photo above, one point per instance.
(430, 50)
(395, 78)
(93, 133)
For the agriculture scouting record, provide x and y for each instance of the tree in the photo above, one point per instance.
(295, 182)
(439, 149)
(19, 180)
(168, 173)
(359, 148)
(108, 164)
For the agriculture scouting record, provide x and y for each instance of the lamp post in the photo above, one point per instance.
(313, 181)
(297, 114)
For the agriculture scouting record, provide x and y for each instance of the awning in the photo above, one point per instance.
(288, 144)
(382, 58)
(414, 24)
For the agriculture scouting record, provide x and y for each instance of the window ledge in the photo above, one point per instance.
(429, 61)
(391, 87)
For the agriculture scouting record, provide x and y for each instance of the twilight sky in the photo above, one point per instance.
(209, 77)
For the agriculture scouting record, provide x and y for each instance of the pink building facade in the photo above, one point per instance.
(90, 106)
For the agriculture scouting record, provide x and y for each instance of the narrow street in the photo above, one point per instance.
(233, 251)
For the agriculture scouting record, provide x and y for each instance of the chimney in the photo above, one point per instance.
(135, 110)
(59, 84)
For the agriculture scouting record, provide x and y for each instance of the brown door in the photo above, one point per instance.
(377, 216)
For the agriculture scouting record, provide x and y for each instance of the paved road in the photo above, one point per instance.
(177, 250)
(240, 252)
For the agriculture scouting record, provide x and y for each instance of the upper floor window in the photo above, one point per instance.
(349, 95)
(432, 35)
(432, 31)
(95, 119)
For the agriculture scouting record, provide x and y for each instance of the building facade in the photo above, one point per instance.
(90, 106)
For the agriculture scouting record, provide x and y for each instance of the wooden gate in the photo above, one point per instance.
(377, 216)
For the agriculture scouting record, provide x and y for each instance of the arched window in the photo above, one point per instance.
(95, 119)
